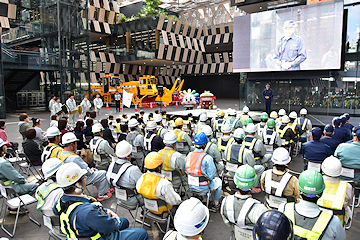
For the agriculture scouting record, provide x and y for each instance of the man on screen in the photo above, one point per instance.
(290, 51)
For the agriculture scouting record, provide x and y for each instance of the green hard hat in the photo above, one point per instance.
(245, 177)
(247, 121)
(311, 182)
(271, 123)
(264, 115)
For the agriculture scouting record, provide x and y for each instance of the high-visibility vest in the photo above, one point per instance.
(193, 163)
(166, 154)
(275, 188)
(65, 219)
(42, 192)
(235, 153)
(304, 124)
(207, 147)
(47, 152)
(159, 130)
(179, 134)
(333, 197)
(63, 158)
(223, 144)
(250, 146)
(199, 127)
(218, 124)
(317, 230)
(148, 188)
(147, 141)
(94, 145)
(112, 176)
(243, 118)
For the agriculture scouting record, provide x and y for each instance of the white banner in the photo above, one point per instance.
(127, 97)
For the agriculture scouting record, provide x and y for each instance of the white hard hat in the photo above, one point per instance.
(232, 112)
(303, 111)
(332, 166)
(97, 127)
(170, 138)
(151, 125)
(68, 137)
(239, 133)
(133, 123)
(68, 174)
(191, 217)
(285, 119)
(207, 130)
(229, 111)
(282, 112)
(281, 156)
(250, 128)
(2, 142)
(157, 118)
(246, 109)
(293, 115)
(123, 149)
(226, 128)
(52, 132)
(203, 117)
(50, 167)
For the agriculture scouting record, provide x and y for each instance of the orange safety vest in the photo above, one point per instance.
(193, 163)
(148, 188)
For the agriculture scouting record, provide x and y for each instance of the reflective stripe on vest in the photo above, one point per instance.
(179, 134)
(218, 124)
(199, 127)
(63, 158)
(243, 118)
(318, 228)
(147, 141)
(114, 177)
(159, 131)
(282, 131)
(260, 129)
(208, 145)
(94, 145)
(65, 221)
(166, 154)
(47, 153)
(304, 124)
(269, 139)
(235, 152)
(193, 163)
(222, 147)
(7, 182)
(42, 192)
(279, 186)
(131, 137)
(333, 196)
(171, 236)
(244, 212)
(249, 145)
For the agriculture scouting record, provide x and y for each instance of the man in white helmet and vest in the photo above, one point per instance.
(98, 104)
(278, 120)
(337, 194)
(100, 148)
(123, 176)
(93, 176)
(233, 121)
(82, 216)
(245, 114)
(136, 139)
(49, 192)
(305, 125)
(212, 149)
(218, 123)
(237, 154)
(287, 134)
(184, 142)
(152, 141)
(256, 146)
(310, 222)
(174, 162)
(261, 126)
(241, 211)
(71, 104)
(201, 123)
(190, 221)
(279, 185)
(270, 137)
(160, 130)
(225, 140)
(52, 149)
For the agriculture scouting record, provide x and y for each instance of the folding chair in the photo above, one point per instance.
(199, 195)
(352, 207)
(15, 202)
(29, 166)
(153, 205)
(228, 176)
(123, 194)
(54, 230)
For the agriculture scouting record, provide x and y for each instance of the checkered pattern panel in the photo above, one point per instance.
(102, 14)
(7, 11)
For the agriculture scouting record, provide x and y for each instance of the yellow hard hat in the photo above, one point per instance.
(179, 121)
(153, 160)
(221, 113)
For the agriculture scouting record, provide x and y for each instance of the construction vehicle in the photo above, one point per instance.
(145, 90)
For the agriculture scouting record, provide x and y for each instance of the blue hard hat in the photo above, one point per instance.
(336, 120)
(329, 128)
(347, 116)
(200, 139)
(273, 225)
(343, 119)
(355, 129)
(316, 132)
(357, 134)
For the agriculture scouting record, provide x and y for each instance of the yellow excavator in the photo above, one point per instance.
(145, 90)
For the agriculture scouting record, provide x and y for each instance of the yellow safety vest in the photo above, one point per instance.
(318, 228)
(63, 158)
(222, 147)
(244, 117)
(179, 134)
(166, 154)
(159, 131)
(65, 221)
(148, 188)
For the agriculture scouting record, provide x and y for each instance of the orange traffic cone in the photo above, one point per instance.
(107, 105)
(136, 108)
(176, 104)
(151, 108)
(121, 107)
(164, 104)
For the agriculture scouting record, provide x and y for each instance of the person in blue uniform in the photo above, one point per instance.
(344, 128)
(268, 93)
(328, 139)
(315, 151)
(347, 124)
(339, 134)
(290, 51)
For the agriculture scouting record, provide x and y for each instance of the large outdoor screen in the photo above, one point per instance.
(305, 37)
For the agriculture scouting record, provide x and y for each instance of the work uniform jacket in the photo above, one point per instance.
(234, 122)
(349, 155)
(306, 127)
(102, 152)
(271, 140)
(315, 151)
(136, 139)
(71, 105)
(212, 149)
(330, 141)
(238, 154)
(183, 143)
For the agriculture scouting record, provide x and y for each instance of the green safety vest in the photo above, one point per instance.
(65, 221)
(42, 192)
(319, 227)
